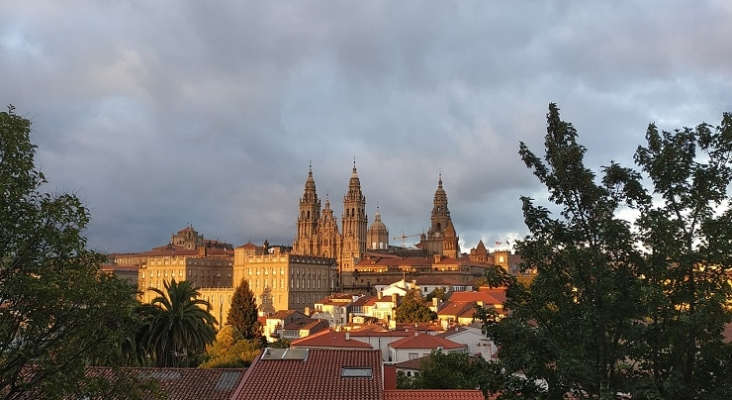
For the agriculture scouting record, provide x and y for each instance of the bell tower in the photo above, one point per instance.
(355, 224)
(306, 242)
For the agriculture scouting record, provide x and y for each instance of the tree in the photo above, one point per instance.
(686, 235)
(58, 313)
(231, 350)
(243, 312)
(179, 325)
(464, 371)
(623, 306)
(414, 309)
(437, 293)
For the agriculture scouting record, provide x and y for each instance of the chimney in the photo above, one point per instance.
(416, 333)
(379, 295)
(307, 311)
(395, 299)
(348, 336)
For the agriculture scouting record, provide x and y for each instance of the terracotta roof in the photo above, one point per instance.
(415, 363)
(492, 297)
(185, 383)
(320, 374)
(365, 301)
(330, 339)
(421, 326)
(437, 394)
(457, 309)
(305, 323)
(282, 314)
(425, 341)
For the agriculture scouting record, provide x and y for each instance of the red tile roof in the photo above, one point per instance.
(425, 341)
(457, 309)
(185, 383)
(427, 394)
(414, 363)
(488, 298)
(330, 339)
(319, 375)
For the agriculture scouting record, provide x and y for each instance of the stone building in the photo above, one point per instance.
(318, 233)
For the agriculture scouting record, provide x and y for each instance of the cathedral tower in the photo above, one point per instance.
(441, 237)
(307, 222)
(355, 223)
(330, 238)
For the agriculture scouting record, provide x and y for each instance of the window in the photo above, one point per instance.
(412, 356)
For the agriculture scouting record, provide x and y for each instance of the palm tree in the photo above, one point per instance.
(179, 324)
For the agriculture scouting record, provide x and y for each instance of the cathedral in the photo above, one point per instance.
(318, 232)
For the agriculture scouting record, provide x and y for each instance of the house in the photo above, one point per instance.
(411, 367)
(456, 313)
(303, 327)
(363, 306)
(422, 344)
(294, 374)
(474, 338)
(334, 309)
(484, 297)
(274, 324)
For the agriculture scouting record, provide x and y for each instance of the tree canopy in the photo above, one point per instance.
(625, 305)
(179, 325)
(58, 313)
(414, 309)
(243, 312)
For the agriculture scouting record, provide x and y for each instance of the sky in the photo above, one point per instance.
(168, 113)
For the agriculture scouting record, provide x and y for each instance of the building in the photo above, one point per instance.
(187, 257)
(283, 280)
(295, 374)
(420, 345)
(318, 233)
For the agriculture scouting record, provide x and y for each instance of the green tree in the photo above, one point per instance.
(623, 306)
(179, 325)
(464, 371)
(438, 293)
(243, 312)
(570, 328)
(414, 309)
(58, 314)
(231, 350)
(686, 235)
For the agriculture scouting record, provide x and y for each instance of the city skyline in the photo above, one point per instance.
(163, 114)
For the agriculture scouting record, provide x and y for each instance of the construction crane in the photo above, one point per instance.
(404, 238)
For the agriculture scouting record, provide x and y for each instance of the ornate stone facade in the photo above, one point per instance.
(318, 234)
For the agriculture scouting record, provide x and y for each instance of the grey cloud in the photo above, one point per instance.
(165, 113)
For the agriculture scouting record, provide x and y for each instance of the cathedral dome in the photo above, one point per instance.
(378, 226)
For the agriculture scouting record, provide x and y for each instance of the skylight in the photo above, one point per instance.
(355, 372)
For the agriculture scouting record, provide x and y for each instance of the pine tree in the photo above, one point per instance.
(243, 312)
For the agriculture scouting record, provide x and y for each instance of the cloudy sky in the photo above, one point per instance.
(165, 113)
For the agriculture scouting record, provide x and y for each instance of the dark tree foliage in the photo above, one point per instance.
(58, 313)
(617, 306)
(243, 312)
(464, 371)
(179, 325)
(414, 309)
